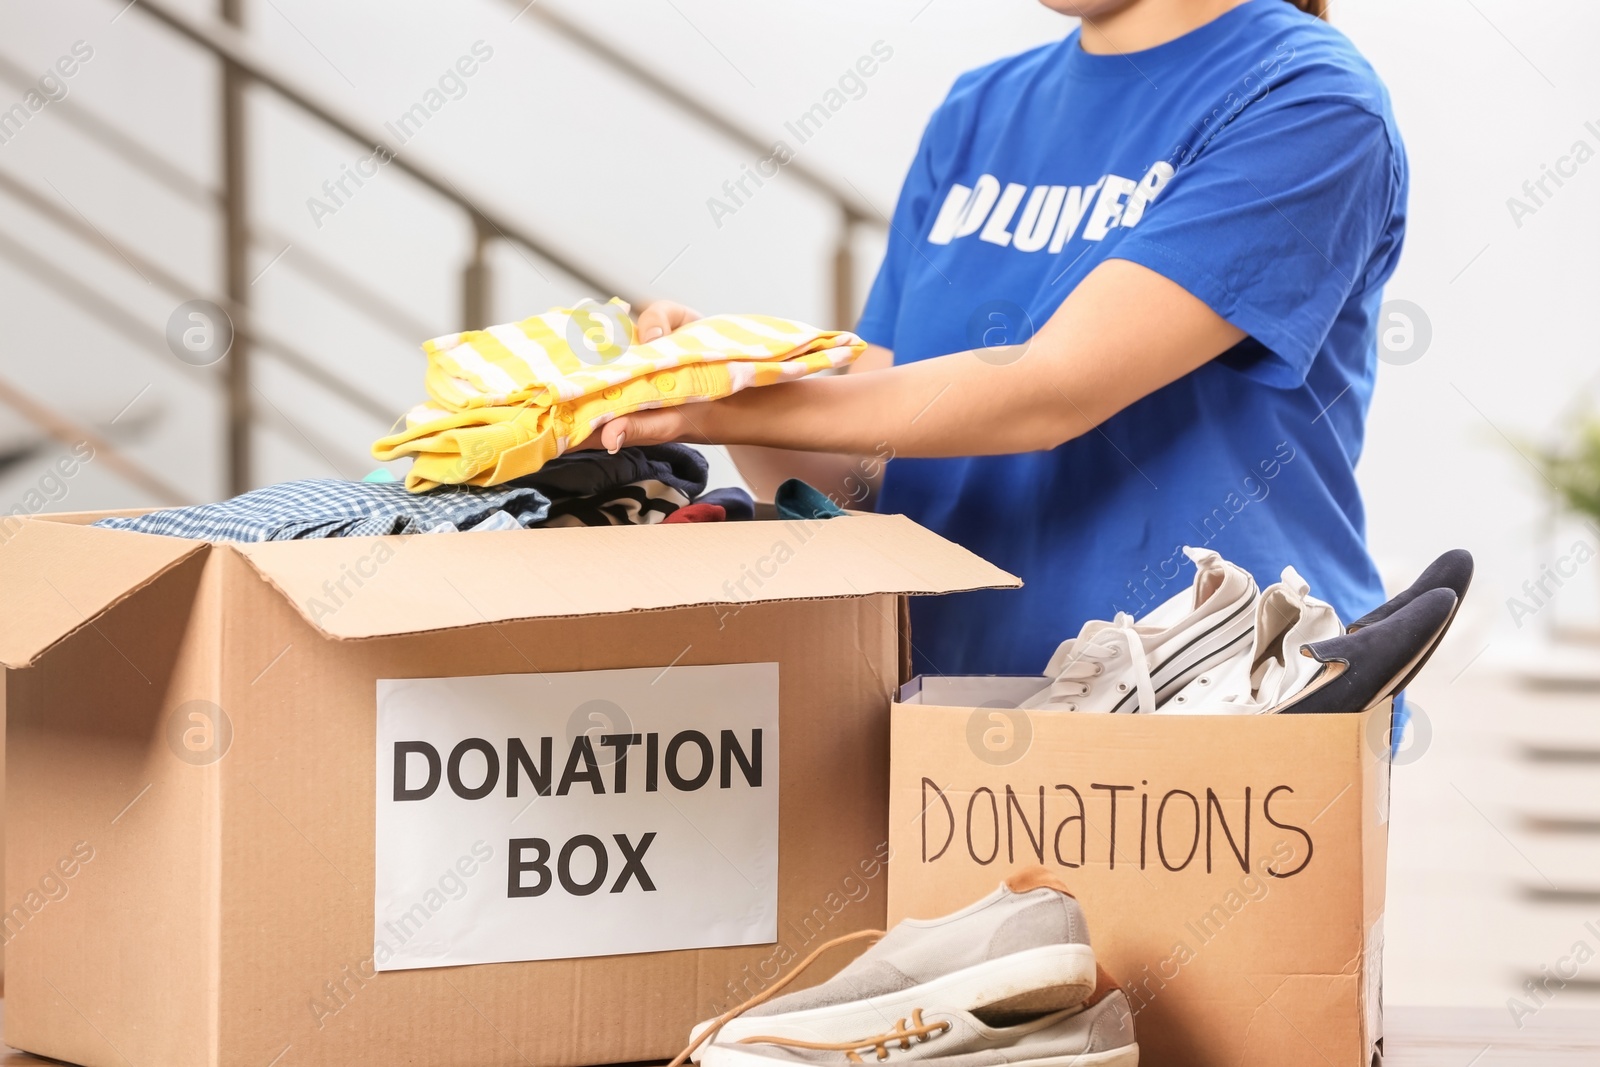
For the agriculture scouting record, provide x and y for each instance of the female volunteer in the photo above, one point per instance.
(1128, 304)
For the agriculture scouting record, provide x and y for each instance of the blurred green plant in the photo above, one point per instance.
(1573, 466)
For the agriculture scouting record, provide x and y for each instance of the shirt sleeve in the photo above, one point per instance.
(1274, 225)
(910, 221)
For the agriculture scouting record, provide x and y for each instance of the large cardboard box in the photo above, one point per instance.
(213, 808)
(1231, 868)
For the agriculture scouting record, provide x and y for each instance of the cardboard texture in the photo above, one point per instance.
(199, 909)
(1236, 894)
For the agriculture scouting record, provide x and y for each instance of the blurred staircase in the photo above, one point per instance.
(241, 71)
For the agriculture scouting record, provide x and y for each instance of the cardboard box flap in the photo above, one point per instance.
(351, 588)
(58, 578)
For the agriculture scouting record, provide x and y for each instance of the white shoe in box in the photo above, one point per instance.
(1272, 669)
(1127, 666)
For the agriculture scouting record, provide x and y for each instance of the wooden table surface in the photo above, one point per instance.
(1415, 1037)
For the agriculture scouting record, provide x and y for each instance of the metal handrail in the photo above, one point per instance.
(383, 312)
(179, 289)
(71, 435)
(234, 48)
(849, 202)
(129, 149)
(854, 210)
(379, 308)
(242, 67)
(140, 333)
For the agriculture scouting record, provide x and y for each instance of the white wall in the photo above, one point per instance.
(1487, 93)
(1484, 102)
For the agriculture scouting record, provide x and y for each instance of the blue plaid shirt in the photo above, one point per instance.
(324, 507)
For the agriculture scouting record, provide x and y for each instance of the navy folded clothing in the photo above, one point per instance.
(736, 503)
(589, 473)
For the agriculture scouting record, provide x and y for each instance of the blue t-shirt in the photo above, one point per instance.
(1255, 162)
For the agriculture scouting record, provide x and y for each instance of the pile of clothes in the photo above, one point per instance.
(634, 486)
(1223, 647)
(497, 445)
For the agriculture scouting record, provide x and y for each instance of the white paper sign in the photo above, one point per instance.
(548, 816)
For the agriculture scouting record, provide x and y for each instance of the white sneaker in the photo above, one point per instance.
(1286, 617)
(1128, 666)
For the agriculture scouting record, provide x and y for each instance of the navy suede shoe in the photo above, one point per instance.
(1366, 667)
(1452, 571)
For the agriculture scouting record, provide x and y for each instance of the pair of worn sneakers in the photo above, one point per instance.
(1223, 647)
(1008, 980)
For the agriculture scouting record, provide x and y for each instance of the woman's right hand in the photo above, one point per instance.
(661, 318)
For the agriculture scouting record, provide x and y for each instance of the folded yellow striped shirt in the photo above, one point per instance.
(506, 400)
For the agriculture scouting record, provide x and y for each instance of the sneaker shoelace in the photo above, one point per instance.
(901, 1034)
(778, 987)
(1088, 661)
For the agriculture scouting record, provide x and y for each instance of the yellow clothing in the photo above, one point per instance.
(506, 400)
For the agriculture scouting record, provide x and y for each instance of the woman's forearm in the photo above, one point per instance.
(1125, 332)
(949, 406)
(850, 480)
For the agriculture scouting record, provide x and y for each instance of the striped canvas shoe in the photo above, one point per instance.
(1126, 666)
(1270, 668)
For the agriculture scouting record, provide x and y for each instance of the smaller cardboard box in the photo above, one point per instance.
(1231, 867)
(483, 799)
